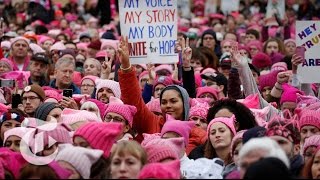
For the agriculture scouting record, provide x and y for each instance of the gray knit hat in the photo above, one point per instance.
(44, 109)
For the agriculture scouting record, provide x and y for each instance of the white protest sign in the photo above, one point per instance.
(210, 7)
(229, 6)
(308, 35)
(151, 28)
(276, 6)
(184, 8)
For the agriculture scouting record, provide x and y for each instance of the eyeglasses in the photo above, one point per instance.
(87, 85)
(117, 119)
(31, 98)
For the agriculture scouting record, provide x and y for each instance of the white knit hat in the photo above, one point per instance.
(80, 158)
(58, 46)
(36, 48)
(6, 44)
(17, 131)
(113, 85)
(71, 116)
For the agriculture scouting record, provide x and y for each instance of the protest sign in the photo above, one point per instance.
(229, 6)
(276, 7)
(184, 8)
(151, 28)
(210, 7)
(308, 35)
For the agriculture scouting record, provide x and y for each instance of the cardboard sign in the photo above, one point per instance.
(229, 6)
(308, 35)
(151, 27)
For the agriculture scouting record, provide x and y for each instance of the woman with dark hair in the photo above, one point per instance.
(209, 39)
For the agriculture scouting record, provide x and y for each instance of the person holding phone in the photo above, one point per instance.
(32, 97)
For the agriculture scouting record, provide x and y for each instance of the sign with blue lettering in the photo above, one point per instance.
(151, 28)
(308, 36)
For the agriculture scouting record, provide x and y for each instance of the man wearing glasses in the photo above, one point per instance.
(32, 97)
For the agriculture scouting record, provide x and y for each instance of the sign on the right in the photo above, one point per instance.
(308, 35)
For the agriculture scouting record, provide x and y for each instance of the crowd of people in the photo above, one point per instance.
(231, 108)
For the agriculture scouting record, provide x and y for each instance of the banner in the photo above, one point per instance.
(308, 35)
(230, 5)
(151, 27)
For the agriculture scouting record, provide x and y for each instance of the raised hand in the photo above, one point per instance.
(296, 60)
(283, 77)
(151, 71)
(186, 53)
(235, 54)
(123, 52)
(107, 67)
(175, 74)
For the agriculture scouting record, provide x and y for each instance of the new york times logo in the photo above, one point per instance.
(34, 139)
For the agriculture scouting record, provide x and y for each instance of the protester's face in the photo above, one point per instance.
(9, 124)
(55, 55)
(90, 68)
(208, 95)
(5, 50)
(199, 122)
(290, 48)
(55, 113)
(255, 76)
(253, 50)
(20, 49)
(13, 143)
(85, 40)
(212, 84)
(251, 157)
(285, 144)
(272, 47)
(143, 80)
(64, 74)
(30, 101)
(71, 46)
(79, 141)
(92, 53)
(266, 91)
(309, 153)
(63, 23)
(110, 51)
(195, 63)
(220, 136)
(226, 47)
(244, 53)
(171, 103)
(315, 168)
(104, 94)
(230, 36)
(158, 89)
(47, 44)
(291, 106)
(209, 41)
(223, 113)
(308, 131)
(87, 86)
(38, 68)
(75, 174)
(235, 154)
(4, 67)
(250, 37)
(125, 167)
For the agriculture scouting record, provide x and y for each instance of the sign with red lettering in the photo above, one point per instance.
(151, 28)
(308, 36)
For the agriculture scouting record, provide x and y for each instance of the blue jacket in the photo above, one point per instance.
(147, 92)
(72, 86)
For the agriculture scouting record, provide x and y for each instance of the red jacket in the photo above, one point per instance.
(144, 120)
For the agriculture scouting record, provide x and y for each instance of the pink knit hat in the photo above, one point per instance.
(105, 83)
(229, 122)
(208, 71)
(71, 116)
(183, 128)
(313, 140)
(164, 67)
(279, 66)
(92, 78)
(276, 57)
(305, 101)
(289, 41)
(6, 44)
(251, 101)
(169, 170)
(101, 105)
(61, 172)
(117, 106)
(60, 134)
(161, 149)
(12, 161)
(101, 54)
(269, 79)
(100, 135)
(17, 131)
(165, 80)
(261, 60)
(200, 109)
(58, 46)
(256, 44)
(149, 137)
(142, 74)
(82, 46)
(8, 62)
(261, 115)
(309, 117)
(43, 39)
(109, 42)
(289, 94)
(80, 158)
(53, 93)
(206, 89)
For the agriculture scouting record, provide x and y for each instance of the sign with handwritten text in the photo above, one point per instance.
(308, 35)
(151, 28)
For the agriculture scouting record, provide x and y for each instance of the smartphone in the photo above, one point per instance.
(16, 100)
(7, 83)
(67, 92)
(300, 51)
(1, 22)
